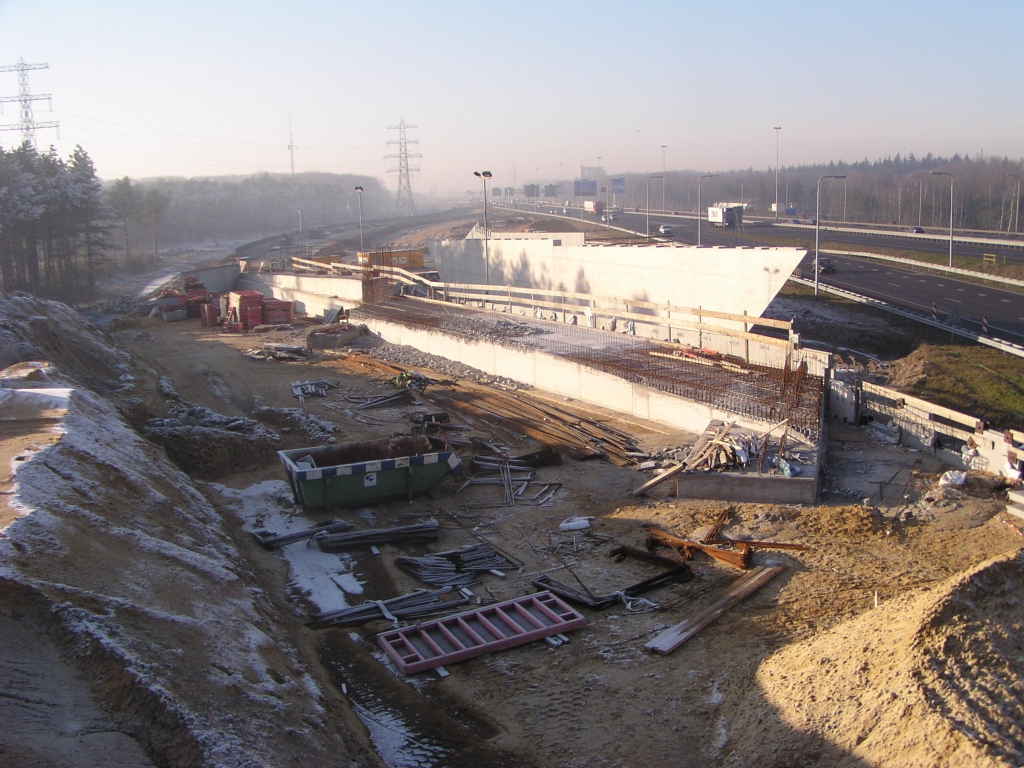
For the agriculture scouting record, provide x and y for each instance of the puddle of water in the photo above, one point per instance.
(410, 730)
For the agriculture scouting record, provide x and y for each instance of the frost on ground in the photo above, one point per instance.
(321, 577)
(156, 602)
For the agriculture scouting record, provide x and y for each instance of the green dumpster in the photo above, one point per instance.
(355, 474)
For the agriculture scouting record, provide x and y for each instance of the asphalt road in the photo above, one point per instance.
(902, 287)
(685, 230)
(919, 290)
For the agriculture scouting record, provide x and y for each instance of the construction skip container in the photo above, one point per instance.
(354, 474)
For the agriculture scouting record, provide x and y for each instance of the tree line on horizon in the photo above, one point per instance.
(898, 190)
(61, 227)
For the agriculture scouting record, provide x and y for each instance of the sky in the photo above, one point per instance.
(537, 88)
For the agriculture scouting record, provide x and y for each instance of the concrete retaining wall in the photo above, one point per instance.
(730, 486)
(219, 279)
(734, 280)
(924, 425)
(313, 294)
(562, 377)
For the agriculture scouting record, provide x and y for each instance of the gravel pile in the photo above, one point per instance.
(414, 358)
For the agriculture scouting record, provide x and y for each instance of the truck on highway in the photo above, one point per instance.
(595, 207)
(725, 215)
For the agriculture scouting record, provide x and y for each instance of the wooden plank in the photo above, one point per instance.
(696, 456)
(429, 655)
(960, 418)
(743, 587)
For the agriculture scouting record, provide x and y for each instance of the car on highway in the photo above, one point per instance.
(608, 217)
(665, 229)
(826, 266)
(915, 230)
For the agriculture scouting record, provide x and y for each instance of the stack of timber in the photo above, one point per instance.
(517, 413)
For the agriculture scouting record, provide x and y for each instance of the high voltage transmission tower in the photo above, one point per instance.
(28, 125)
(291, 142)
(404, 203)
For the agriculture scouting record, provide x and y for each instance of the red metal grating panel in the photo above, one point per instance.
(484, 630)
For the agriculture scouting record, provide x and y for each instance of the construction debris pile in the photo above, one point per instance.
(288, 419)
(456, 568)
(275, 351)
(204, 442)
(726, 448)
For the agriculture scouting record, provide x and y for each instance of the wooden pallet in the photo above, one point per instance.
(466, 635)
(743, 587)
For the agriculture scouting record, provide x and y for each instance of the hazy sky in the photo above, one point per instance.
(205, 88)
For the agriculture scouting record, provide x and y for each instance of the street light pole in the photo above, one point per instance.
(947, 173)
(360, 191)
(487, 232)
(777, 128)
(649, 204)
(663, 173)
(700, 213)
(817, 226)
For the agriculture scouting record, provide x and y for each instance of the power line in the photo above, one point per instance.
(237, 142)
(404, 203)
(28, 125)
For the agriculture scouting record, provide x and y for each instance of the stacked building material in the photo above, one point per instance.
(457, 568)
(244, 307)
(340, 542)
(209, 314)
(277, 312)
(272, 540)
(412, 606)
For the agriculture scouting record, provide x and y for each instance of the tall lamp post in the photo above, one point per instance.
(360, 191)
(700, 213)
(777, 128)
(663, 174)
(649, 203)
(947, 173)
(817, 225)
(484, 176)
(1016, 219)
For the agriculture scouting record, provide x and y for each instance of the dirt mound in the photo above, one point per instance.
(37, 329)
(157, 604)
(927, 679)
(848, 520)
(912, 371)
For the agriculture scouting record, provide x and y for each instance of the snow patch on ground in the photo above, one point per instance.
(323, 578)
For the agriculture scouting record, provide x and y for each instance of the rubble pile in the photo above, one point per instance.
(414, 358)
(505, 333)
(206, 443)
(287, 419)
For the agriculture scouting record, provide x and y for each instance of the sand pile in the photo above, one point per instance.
(924, 680)
(37, 329)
